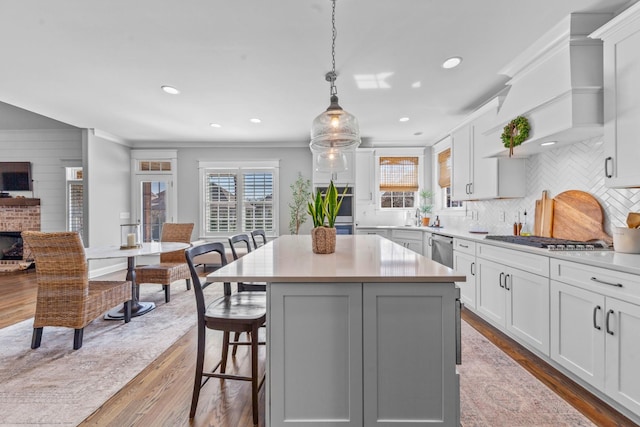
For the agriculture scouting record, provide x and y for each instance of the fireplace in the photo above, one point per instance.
(10, 245)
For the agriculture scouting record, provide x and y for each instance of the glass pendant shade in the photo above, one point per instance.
(334, 128)
(329, 160)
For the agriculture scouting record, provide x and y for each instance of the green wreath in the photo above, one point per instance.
(515, 133)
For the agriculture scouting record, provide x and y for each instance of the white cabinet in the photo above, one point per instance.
(410, 239)
(464, 262)
(427, 244)
(338, 354)
(474, 176)
(595, 319)
(344, 177)
(621, 37)
(382, 232)
(365, 177)
(515, 300)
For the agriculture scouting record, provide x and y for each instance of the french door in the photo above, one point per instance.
(154, 204)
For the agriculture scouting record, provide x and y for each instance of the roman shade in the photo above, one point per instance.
(398, 174)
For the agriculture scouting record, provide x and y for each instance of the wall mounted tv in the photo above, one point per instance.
(15, 176)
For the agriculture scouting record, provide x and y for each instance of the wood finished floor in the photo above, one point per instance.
(161, 394)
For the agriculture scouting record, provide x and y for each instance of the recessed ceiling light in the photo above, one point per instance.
(548, 143)
(452, 62)
(255, 120)
(404, 119)
(170, 89)
(215, 125)
(416, 85)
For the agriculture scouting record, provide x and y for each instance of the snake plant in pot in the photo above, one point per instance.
(323, 210)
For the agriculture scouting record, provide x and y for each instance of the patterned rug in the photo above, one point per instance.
(55, 385)
(496, 391)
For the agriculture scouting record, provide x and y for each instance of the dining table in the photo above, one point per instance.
(138, 308)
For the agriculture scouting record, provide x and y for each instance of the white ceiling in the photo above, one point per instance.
(100, 63)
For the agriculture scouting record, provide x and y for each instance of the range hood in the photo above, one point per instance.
(557, 85)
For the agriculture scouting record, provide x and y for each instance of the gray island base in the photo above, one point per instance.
(367, 336)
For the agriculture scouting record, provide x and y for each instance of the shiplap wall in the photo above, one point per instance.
(49, 152)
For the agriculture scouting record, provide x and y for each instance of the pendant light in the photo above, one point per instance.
(334, 131)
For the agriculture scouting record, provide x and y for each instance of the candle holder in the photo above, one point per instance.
(130, 236)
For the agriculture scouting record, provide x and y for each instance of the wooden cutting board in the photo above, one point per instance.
(543, 221)
(577, 215)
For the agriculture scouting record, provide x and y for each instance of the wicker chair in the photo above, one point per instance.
(173, 265)
(66, 296)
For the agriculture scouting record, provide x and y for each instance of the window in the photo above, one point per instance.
(444, 179)
(75, 196)
(398, 181)
(239, 200)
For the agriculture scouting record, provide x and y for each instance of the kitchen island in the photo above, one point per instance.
(365, 336)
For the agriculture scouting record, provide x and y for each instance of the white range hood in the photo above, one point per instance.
(557, 85)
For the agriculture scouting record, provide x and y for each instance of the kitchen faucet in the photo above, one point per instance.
(417, 217)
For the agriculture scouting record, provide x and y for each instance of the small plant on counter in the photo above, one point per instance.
(321, 209)
(426, 207)
(300, 191)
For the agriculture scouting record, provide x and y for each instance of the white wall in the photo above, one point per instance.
(49, 152)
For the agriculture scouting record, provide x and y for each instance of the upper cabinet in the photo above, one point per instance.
(621, 37)
(474, 176)
(364, 176)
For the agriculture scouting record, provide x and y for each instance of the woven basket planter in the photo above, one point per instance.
(323, 240)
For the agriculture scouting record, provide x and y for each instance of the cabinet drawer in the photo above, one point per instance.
(407, 234)
(465, 246)
(536, 264)
(378, 231)
(611, 283)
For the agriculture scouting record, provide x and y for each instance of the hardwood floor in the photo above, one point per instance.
(161, 394)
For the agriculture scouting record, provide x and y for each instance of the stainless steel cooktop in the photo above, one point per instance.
(551, 243)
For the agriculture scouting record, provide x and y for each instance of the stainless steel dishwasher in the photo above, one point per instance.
(442, 249)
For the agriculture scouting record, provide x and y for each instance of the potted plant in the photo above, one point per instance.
(425, 205)
(323, 210)
(301, 193)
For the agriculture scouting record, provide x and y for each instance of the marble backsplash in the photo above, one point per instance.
(578, 166)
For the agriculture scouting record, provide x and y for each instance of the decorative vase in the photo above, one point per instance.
(323, 240)
(425, 221)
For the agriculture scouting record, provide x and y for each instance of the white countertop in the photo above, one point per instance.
(628, 263)
(358, 258)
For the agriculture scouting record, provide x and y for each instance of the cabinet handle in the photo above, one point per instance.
(463, 246)
(430, 241)
(473, 268)
(506, 277)
(471, 188)
(609, 313)
(617, 285)
(606, 167)
(595, 311)
(500, 280)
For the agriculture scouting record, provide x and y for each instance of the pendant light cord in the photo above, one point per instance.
(333, 76)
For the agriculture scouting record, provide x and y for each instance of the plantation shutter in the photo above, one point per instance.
(399, 174)
(444, 162)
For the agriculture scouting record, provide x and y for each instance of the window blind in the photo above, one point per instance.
(444, 166)
(398, 174)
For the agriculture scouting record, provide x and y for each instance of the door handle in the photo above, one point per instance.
(606, 167)
(500, 280)
(595, 311)
(506, 277)
(609, 313)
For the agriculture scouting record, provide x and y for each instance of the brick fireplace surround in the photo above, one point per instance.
(17, 215)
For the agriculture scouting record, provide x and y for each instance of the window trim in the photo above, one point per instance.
(232, 167)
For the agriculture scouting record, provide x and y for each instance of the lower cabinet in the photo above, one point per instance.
(410, 239)
(464, 262)
(595, 319)
(341, 354)
(514, 300)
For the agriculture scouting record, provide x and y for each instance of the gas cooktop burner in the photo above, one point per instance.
(551, 243)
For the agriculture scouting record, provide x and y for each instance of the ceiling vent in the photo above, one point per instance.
(556, 84)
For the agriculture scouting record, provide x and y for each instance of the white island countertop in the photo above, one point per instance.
(358, 258)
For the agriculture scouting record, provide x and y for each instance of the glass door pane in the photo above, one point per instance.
(153, 206)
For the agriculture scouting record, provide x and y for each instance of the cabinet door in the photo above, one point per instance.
(364, 177)
(409, 370)
(317, 325)
(622, 324)
(461, 154)
(491, 292)
(465, 264)
(622, 106)
(528, 308)
(577, 331)
(427, 243)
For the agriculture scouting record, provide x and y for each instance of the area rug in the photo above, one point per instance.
(496, 391)
(56, 385)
